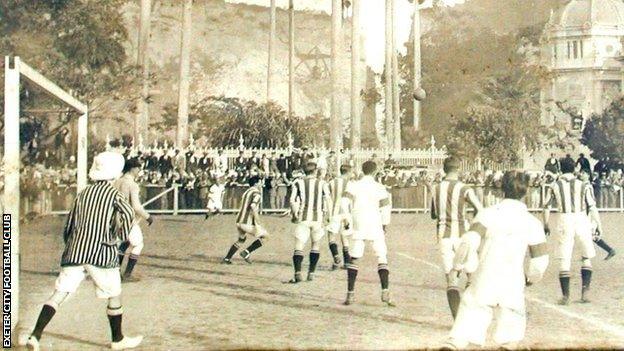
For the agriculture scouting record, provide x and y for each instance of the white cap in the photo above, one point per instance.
(107, 165)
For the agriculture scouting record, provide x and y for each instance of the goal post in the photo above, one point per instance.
(14, 69)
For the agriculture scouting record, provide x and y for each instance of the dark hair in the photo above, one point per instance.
(567, 165)
(309, 168)
(515, 184)
(369, 167)
(130, 164)
(254, 180)
(344, 169)
(451, 164)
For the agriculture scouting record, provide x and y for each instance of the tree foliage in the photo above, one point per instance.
(502, 122)
(604, 133)
(222, 120)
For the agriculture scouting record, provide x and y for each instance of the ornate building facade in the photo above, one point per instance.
(582, 45)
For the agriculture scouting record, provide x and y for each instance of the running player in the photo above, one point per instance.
(310, 203)
(448, 208)
(495, 249)
(337, 224)
(248, 222)
(577, 210)
(129, 189)
(367, 204)
(597, 235)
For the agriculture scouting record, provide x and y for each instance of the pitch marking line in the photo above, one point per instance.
(599, 324)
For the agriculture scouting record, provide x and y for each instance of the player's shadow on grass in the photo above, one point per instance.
(295, 303)
(74, 339)
(43, 273)
(217, 260)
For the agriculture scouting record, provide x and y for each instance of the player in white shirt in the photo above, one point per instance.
(577, 210)
(367, 204)
(494, 251)
(128, 187)
(215, 197)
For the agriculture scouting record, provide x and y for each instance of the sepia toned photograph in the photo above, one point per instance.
(312, 174)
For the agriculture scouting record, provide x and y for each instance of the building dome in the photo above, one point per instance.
(590, 13)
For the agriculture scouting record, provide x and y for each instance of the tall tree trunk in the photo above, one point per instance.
(336, 103)
(396, 108)
(417, 62)
(388, 97)
(291, 58)
(273, 20)
(185, 58)
(356, 116)
(142, 127)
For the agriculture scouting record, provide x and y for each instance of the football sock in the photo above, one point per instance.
(453, 297)
(232, 251)
(352, 271)
(254, 246)
(297, 260)
(46, 314)
(382, 269)
(603, 245)
(314, 258)
(333, 247)
(115, 326)
(586, 275)
(132, 260)
(122, 251)
(345, 255)
(564, 280)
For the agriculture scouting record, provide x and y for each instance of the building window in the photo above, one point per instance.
(582, 53)
(555, 51)
(569, 50)
(575, 45)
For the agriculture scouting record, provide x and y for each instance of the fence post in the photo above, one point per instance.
(175, 199)
(621, 200)
(426, 193)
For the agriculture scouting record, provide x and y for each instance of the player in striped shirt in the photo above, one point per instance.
(450, 198)
(337, 223)
(577, 209)
(248, 222)
(310, 203)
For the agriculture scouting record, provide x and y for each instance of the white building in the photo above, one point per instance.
(582, 43)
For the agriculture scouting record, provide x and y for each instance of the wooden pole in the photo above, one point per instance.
(417, 62)
(396, 108)
(143, 62)
(272, 36)
(185, 58)
(335, 116)
(388, 101)
(356, 116)
(81, 164)
(12, 173)
(291, 58)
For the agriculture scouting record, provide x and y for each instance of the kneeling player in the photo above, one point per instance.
(368, 204)
(502, 234)
(248, 222)
(337, 224)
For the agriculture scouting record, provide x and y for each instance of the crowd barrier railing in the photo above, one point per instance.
(176, 200)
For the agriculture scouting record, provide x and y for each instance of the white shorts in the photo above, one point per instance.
(106, 280)
(357, 246)
(250, 229)
(337, 224)
(571, 227)
(135, 238)
(214, 205)
(308, 229)
(448, 246)
(473, 321)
